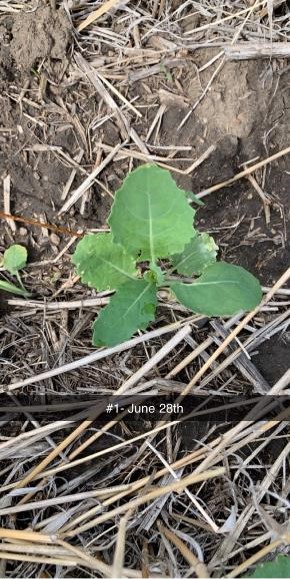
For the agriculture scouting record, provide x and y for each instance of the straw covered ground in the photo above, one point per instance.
(89, 90)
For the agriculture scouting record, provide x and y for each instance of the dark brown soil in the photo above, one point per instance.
(34, 39)
(273, 359)
(27, 38)
(40, 108)
(246, 116)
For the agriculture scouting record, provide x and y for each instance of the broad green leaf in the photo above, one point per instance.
(280, 567)
(151, 215)
(222, 290)
(131, 308)
(103, 264)
(199, 253)
(15, 258)
(12, 289)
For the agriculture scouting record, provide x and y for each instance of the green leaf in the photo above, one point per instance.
(15, 258)
(280, 567)
(199, 253)
(12, 289)
(131, 308)
(222, 290)
(103, 264)
(155, 275)
(151, 215)
(194, 198)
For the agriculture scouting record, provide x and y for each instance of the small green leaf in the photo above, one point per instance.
(194, 198)
(12, 289)
(166, 72)
(222, 290)
(151, 215)
(198, 254)
(15, 258)
(131, 308)
(155, 275)
(103, 264)
(280, 567)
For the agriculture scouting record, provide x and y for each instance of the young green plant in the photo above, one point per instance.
(152, 240)
(14, 259)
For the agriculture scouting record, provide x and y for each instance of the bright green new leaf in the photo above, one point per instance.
(200, 252)
(155, 275)
(280, 567)
(12, 289)
(222, 290)
(131, 308)
(190, 195)
(15, 258)
(103, 264)
(151, 215)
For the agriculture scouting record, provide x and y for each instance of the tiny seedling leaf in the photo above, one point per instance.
(198, 254)
(15, 258)
(103, 264)
(131, 308)
(222, 290)
(12, 289)
(280, 567)
(190, 195)
(151, 215)
(155, 275)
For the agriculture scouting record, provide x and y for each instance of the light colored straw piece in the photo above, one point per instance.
(98, 13)
(89, 181)
(119, 95)
(255, 50)
(198, 566)
(200, 160)
(120, 550)
(57, 306)
(70, 180)
(6, 201)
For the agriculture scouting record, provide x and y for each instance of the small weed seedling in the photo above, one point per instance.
(14, 259)
(152, 238)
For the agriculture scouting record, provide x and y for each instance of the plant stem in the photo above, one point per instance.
(20, 281)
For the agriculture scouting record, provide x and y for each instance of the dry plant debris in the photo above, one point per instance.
(89, 90)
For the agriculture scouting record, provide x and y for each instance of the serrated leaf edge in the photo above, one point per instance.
(109, 263)
(196, 252)
(115, 237)
(149, 285)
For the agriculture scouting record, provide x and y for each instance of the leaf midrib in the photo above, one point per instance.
(185, 259)
(151, 238)
(198, 284)
(139, 297)
(113, 266)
